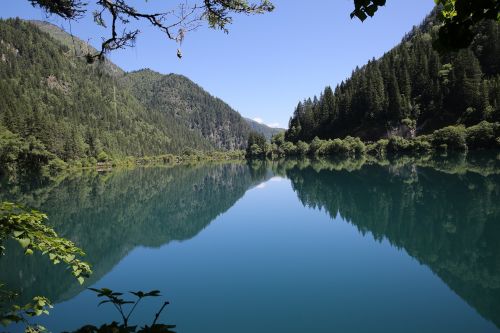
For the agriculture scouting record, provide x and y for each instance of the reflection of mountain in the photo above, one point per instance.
(449, 222)
(109, 215)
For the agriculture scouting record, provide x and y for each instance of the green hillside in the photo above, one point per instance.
(173, 94)
(411, 90)
(77, 47)
(54, 106)
(189, 105)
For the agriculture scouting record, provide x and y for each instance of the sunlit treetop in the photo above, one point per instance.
(458, 17)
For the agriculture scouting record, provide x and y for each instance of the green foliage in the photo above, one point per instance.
(256, 145)
(254, 151)
(343, 148)
(398, 144)
(421, 144)
(55, 165)
(410, 123)
(302, 148)
(21, 153)
(67, 9)
(289, 149)
(315, 145)
(450, 138)
(348, 147)
(453, 137)
(458, 17)
(354, 146)
(102, 157)
(482, 135)
(27, 228)
(409, 91)
(76, 110)
(278, 139)
(21, 314)
(10, 149)
(218, 11)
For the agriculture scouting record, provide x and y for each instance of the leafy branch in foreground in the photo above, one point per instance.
(17, 314)
(116, 299)
(27, 228)
(458, 17)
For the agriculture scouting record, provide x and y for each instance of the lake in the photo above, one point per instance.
(289, 246)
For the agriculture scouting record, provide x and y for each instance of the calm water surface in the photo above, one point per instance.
(283, 247)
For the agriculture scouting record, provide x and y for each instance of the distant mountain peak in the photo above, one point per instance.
(263, 129)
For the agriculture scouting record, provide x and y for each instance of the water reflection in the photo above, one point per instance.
(444, 212)
(449, 220)
(108, 215)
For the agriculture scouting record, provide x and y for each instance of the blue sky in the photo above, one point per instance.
(266, 63)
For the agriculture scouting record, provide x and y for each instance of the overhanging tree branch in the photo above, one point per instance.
(173, 23)
(458, 17)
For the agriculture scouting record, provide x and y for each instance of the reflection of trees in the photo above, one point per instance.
(448, 221)
(444, 214)
(108, 215)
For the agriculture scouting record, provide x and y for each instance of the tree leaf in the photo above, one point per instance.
(103, 302)
(24, 242)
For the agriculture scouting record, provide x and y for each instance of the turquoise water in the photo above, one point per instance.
(277, 247)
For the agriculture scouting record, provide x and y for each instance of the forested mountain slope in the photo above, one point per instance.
(175, 95)
(410, 90)
(57, 103)
(189, 102)
(77, 47)
(190, 105)
(53, 105)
